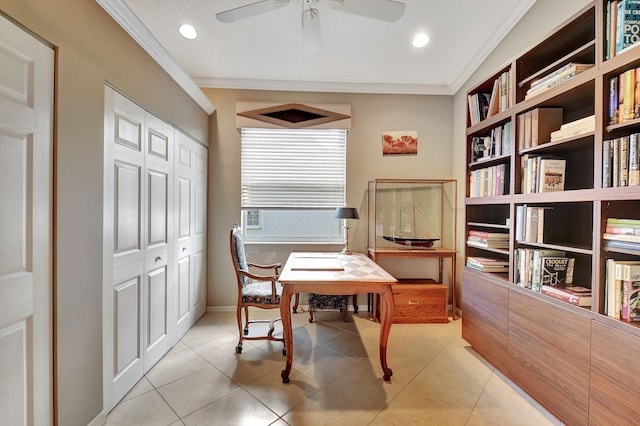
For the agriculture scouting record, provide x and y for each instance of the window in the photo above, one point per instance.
(292, 181)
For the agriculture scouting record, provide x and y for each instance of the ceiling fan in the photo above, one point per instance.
(384, 10)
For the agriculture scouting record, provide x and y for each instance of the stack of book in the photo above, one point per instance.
(576, 295)
(622, 234)
(530, 223)
(541, 174)
(622, 290)
(484, 239)
(621, 161)
(538, 267)
(485, 264)
(555, 78)
(535, 126)
(494, 145)
(622, 26)
(483, 105)
(575, 128)
(488, 181)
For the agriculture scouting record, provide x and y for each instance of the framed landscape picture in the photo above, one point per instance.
(400, 142)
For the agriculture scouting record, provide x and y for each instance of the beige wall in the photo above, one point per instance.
(91, 49)
(372, 114)
(543, 17)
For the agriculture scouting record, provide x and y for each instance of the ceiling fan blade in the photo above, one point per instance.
(249, 10)
(311, 31)
(384, 10)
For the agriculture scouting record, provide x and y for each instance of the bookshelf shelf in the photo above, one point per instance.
(507, 322)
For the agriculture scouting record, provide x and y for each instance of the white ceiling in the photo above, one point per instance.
(357, 54)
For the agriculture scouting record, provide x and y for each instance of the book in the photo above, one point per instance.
(627, 24)
(613, 101)
(630, 292)
(624, 245)
(555, 78)
(543, 122)
(615, 163)
(623, 176)
(614, 221)
(622, 237)
(622, 230)
(484, 264)
(551, 175)
(606, 163)
(575, 298)
(537, 266)
(489, 235)
(628, 109)
(634, 164)
(557, 271)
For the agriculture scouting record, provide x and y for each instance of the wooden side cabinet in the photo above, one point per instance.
(421, 300)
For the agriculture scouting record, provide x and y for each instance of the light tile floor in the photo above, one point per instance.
(336, 379)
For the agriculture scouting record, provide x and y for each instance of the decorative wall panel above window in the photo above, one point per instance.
(270, 115)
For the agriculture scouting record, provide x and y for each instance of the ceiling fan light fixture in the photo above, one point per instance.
(188, 31)
(420, 40)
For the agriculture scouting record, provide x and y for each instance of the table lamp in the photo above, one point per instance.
(346, 213)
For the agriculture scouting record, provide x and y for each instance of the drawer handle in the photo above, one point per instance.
(158, 259)
(413, 303)
(184, 249)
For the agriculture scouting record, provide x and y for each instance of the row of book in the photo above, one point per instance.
(555, 78)
(483, 239)
(530, 223)
(497, 143)
(620, 161)
(483, 105)
(541, 174)
(622, 26)
(622, 234)
(486, 264)
(574, 128)
(622, 290)
(537, 267)
(624, 96)
(535, 126)
(488, 181)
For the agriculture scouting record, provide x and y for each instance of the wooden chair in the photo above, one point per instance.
(260, 291)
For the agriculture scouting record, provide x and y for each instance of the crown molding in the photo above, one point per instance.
(125, 17)
(324, 86)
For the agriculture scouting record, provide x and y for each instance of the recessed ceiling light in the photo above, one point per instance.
(420, 40)
(187, 31)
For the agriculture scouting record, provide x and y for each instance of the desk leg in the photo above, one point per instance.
(285, 314)
(386, 318)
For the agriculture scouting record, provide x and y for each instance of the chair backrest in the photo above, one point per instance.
(237, 253)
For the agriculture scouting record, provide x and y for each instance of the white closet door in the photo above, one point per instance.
(156, 291)
(26, 111)
(124, 241)
(190, 233)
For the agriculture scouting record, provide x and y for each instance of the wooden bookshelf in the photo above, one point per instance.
(557, 352)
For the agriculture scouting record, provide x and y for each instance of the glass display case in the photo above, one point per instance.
(415, 219)
(411, 214)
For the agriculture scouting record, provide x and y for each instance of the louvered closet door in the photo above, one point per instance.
(190, 232)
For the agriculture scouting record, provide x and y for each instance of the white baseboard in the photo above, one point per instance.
(99, 420)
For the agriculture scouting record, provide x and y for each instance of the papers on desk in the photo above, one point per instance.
(316, 263)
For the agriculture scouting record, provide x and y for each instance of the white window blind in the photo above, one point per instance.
(293, 168)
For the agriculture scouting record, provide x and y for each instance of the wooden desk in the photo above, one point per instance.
(335, 274)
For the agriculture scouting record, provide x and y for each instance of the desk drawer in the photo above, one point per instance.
(420, 303)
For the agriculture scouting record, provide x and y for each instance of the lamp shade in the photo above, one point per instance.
(346, 213)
